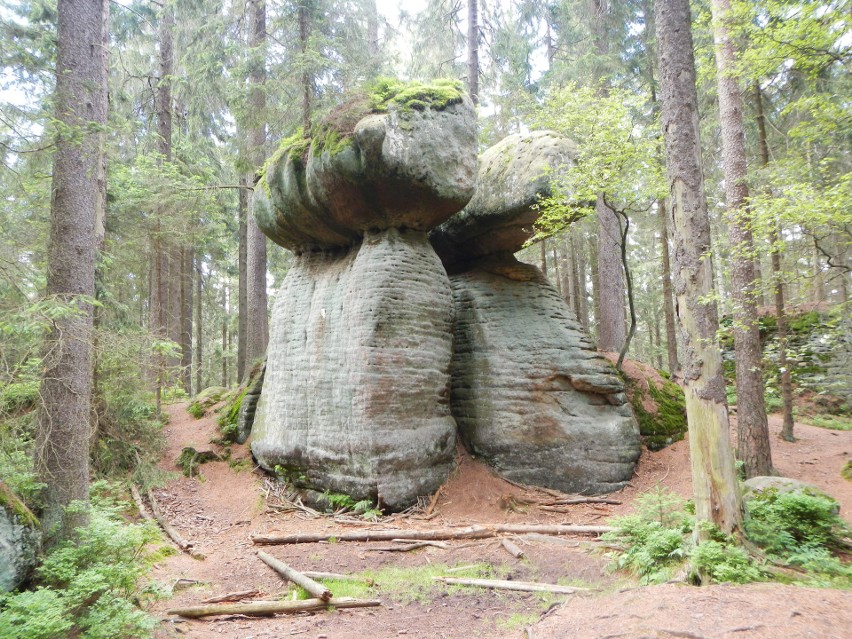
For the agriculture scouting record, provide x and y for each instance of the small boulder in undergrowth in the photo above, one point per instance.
(205, 399)
(190, 459)
(20, 539)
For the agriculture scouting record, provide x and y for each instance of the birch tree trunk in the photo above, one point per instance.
(714, 482)
(65, 418)
(752, 429)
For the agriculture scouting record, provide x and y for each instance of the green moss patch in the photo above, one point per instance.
(386, 93)
(230, 416)
(660, 409)
(190, 459)
(11, 502)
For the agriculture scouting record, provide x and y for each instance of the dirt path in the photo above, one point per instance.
(225, 505)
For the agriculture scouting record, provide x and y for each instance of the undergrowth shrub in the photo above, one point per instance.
(796, 528)
(87, 587)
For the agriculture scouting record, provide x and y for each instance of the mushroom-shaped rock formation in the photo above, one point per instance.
(529, 393)
(355, 394)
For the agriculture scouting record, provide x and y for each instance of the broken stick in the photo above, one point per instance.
(523, 586)
(137, 499)
(312, 587)
(512, 549)
(271, 607)
(471, 532)
(232, 596)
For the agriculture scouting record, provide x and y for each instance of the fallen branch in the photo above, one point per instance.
(422, 542)
(232, 596)
(271, 607)
(583, 500)
(471, 532)
(317, 590)
(512, 548)
(410, 544)
(313, 574)
(523, 586)
(175, 536)
(137, 499)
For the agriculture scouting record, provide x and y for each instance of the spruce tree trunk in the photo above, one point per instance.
(752, 429)
(304, 36)
(198, 351)
(257, 320)
(668, 303)
(65, 417)
(543, 256)
(612, 331)
(714, 482)
(582, 300)
(778, 285)
(186, 318)
(473, 49)
(242, 302)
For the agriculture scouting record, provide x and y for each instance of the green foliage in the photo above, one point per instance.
(802, 530)
(340, 502)
(723, 562)
(831, 422)
(196, 410)
(86, 587)
(846, 471)
(616, 155)
(785, 522)
(16, 471)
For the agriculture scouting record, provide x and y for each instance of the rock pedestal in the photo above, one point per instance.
(376, 354)
(355, 397)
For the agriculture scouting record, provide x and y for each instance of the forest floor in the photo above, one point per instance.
(227, 502)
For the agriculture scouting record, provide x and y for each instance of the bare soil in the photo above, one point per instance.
(231, 500)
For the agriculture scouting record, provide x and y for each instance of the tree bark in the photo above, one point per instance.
(612, 331)
(522, 586)
(752, 429)
(186, 291)
(714, 482)
(242, 303)
(265, 608)
(198, 350)
(64, 427)
(473, 49)
(668, 303)
(309, 585)
(778, 285)
(257, 321)
(471, 532)
(582, 303)
(543, 256)
(307, 80)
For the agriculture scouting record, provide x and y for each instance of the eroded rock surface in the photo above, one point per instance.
(529, 392)
(20, 538)
(355, 394)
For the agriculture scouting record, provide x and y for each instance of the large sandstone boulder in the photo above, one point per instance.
(513, 175)
(529, 392)
(20, 539)
(355, 394)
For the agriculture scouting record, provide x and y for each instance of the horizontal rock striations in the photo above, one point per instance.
(529, 392)
(355, 397)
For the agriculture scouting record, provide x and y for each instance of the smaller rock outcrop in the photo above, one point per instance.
(529, 392)
(20, 539)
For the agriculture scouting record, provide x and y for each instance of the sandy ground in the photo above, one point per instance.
(221, 508)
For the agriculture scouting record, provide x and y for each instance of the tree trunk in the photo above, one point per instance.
(224, 335)
(612, 331)
(668, 303)
(580, 275)
(373, 37)
(198, 350)
(592, 246)
(714, 482)
(473, 50)
(555, 260)
(752, 429)
(818, 291)
(242, 302)
(778, 285)
(543, 255)
(304, 35)
(186, 319)
(64, 426)
(257, 322)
